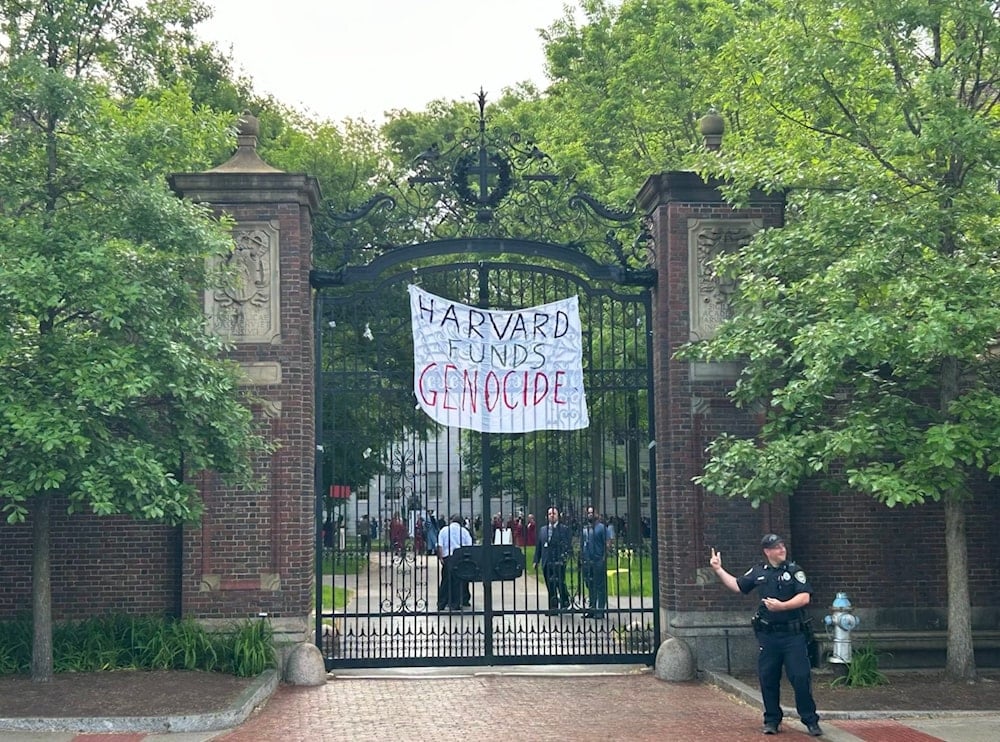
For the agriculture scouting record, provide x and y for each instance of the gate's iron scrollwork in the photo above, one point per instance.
(486, 221)
(490, 184)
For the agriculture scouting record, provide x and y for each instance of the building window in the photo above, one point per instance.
(618, 484)
(434, 484)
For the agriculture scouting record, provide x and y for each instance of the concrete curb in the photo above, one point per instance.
(752, 697)
(259, 691)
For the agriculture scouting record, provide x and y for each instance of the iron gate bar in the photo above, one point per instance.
(482, 246)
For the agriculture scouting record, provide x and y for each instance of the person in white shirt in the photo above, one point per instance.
(451, 589)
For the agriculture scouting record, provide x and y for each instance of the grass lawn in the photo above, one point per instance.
(335, 597)
(341, 564)
(635, 573)
(633, 578)
(344, 563)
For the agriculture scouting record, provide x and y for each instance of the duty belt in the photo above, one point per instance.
(775, 627)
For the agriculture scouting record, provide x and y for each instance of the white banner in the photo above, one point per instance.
(498, 372)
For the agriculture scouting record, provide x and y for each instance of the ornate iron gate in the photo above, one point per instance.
(391, 477)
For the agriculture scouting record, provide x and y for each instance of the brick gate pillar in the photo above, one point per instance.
(692, 223)
(253, 552)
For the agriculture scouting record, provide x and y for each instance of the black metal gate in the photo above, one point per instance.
(391, 478)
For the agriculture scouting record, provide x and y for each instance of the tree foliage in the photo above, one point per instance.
(112, 392)
(628, 85)
(112, 388)
(868, 324)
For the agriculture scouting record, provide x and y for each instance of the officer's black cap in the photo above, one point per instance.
(771, 540)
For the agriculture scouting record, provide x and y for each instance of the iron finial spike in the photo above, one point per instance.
(482, 109)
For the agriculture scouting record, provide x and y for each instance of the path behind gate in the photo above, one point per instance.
(393, 614)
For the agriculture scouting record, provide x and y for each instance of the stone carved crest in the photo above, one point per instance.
(248, 310)
(710, 295)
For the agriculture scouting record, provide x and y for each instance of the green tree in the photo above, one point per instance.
(627, 87)
(111, 392)
(868, 325)
(348, 159)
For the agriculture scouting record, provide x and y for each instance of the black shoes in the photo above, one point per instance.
(594, 614)
(813, 729)
(772, 728)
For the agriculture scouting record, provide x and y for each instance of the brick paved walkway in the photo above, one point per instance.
(503, 707)
(479, 706)
(581, 708)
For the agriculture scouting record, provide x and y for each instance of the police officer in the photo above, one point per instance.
(781, 629)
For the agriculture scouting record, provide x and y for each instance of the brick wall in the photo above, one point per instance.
(692, 408)
(99, 566)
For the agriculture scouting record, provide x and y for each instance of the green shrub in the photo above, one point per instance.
(15, 645)
(180, 645)
(141, 643)
(863, 671)
(249, 649)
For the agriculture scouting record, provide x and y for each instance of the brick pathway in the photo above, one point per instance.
(538, 708)
(502, 707)
(474, 707)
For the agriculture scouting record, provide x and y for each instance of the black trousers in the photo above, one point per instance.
(777, 649)
(555, 583)
(448, 590)
(596, 576)
(453, 592)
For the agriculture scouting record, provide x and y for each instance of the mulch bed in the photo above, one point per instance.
(907, 690)
(119, 693)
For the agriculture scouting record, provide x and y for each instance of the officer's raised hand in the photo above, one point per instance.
(715, 562)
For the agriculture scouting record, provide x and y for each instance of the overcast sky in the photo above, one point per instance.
(360, 58)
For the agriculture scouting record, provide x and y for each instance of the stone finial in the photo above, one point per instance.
(249, 125)
(712, 126)
(246, 159)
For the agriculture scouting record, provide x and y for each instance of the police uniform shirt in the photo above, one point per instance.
(781, 582)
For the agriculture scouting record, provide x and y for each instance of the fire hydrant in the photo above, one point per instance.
(843, 623)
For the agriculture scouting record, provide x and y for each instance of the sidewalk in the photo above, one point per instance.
(580, 703)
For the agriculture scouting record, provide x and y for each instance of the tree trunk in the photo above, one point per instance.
(961, 660)
(41, 590)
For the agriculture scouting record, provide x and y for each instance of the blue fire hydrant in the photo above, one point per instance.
(843, 623)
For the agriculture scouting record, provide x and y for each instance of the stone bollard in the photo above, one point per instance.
(305, 666)
(675, 661)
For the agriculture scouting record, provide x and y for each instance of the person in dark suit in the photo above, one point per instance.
(552, 552)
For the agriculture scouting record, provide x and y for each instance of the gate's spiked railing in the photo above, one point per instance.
(487, 184)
